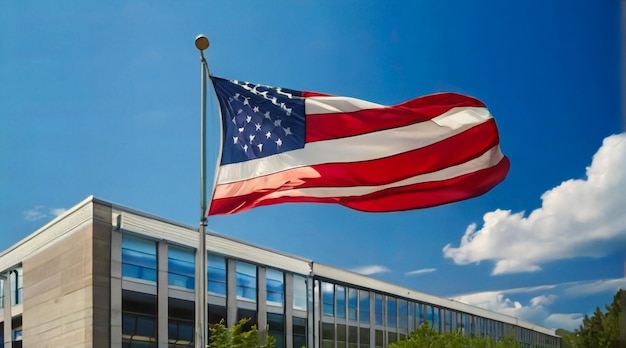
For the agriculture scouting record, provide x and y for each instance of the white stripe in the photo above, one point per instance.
(364, 147)
(487, 160)
(329, 105)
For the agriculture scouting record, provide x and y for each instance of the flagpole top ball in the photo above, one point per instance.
(202, 42)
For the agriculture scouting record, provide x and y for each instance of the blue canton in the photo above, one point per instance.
(258, 121)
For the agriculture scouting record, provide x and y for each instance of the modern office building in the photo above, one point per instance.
(102, 275)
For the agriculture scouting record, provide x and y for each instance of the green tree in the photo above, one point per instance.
(602, 329)
(238, 337)
(426, 337)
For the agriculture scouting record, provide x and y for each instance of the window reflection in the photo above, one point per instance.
(352, 304)
(299, 292)
(139, 258)
(378, 309)
(275, 284)
(246, 280)
(341, 301)
(180, 267)
(328, 299)
(364, 306)
(216, 275)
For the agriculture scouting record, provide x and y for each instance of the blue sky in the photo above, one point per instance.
(102, 98)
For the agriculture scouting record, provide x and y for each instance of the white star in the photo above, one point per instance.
(279, 91)
(246, 102)
(268, 135)
(288, 111)
(245, 148)
(234, 121)
(237, 96)
(240, 129)
(263, 94)
(267, 115)
(278, 122)
(260, 146)
(255, 109)
(248, 118)
(279, 142)
(239, 111)
(257, 127)
(251, 136)
(288, 131)
(235, 139)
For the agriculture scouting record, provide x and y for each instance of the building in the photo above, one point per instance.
(102, 275)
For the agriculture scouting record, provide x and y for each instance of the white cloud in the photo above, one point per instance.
(536, 309)
(501, 302)
(421, 271)
(578, 218)
(369, 270)
(57, 211)
(568, 321)
(34, 214)
(40, 212)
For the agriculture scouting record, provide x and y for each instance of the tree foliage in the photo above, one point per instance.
(238, 337)
(426, 337)
(602, 329)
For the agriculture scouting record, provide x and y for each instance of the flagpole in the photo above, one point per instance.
(202, 43)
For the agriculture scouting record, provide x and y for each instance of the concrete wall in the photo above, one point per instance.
(66, 286)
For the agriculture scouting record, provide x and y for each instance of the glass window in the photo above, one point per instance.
(364, 337)
(378, 309)
(379, 338)
(392, 337)
(138, 319)
(447, 320)
(353, 339)
(139, 258)
(1, 293)
(429, 314)
(276, 329)
(403, 315)
(246, 280)
(299, 332)
(364, 307)
(411, 316)
(352, 304)
(216, 275)
(299, 292)
(341, 301)
(180, 323)
(341, 336)
(419, 314)
(275, 284)
(17, 286)
(328, 335)
(180, 267)
(217, 314)
(392, 312)
(328, 299)
(436, 321)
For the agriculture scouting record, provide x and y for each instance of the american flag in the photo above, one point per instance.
(282, 145)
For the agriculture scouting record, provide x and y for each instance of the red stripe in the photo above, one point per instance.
(454, 150)
(414, 196)
(338, 125)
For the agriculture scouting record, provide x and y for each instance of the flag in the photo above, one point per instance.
(281, 145)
